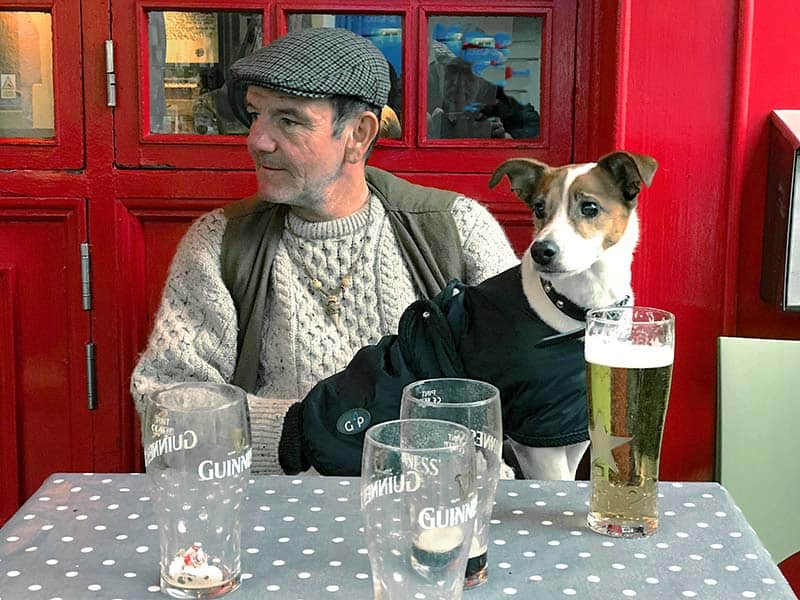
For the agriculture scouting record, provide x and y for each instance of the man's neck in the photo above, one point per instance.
(344, 197)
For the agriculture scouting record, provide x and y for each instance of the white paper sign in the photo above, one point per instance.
(8, 86)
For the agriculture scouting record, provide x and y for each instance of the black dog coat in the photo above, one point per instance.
(486, 332)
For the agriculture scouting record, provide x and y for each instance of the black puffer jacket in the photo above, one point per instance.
(485, 332)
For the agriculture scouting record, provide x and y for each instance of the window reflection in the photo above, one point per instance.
(484, 77)
(26, 75)
(190, 54)
(386, 32)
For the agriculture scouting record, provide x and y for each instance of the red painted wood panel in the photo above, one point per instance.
(11, 498)
(773, 84)
(599, 85)
(677, 99)
(44, 366)
(159, 226)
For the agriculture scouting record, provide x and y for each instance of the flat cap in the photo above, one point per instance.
(315, 63)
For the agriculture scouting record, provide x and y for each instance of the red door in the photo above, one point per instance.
(45, 422)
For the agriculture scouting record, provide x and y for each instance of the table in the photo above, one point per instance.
(92, 536)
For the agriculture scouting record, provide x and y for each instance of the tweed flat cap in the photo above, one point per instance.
(314, 63)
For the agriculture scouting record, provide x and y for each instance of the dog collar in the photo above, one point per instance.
(562, 303)
(572, 310)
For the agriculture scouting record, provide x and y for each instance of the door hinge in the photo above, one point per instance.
(91, 379)
(86, 277)
(111, 78)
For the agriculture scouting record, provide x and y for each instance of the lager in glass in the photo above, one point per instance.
(629, 354)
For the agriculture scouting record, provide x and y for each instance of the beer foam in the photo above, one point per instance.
(614, 353)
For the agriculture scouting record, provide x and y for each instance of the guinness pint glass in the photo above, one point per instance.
(419, 503)
(629, 354)
(475, 405)
(197, 454)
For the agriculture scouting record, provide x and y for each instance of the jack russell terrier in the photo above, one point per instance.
(586, 230)
(520, 330)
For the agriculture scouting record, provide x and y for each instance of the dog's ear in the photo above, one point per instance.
(523, 174)
(629, 171)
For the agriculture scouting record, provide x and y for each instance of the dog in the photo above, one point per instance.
(520, 330)
(586, 230)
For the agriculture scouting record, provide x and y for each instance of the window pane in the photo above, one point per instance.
(386, 32)
(483, 77)
(190, 54)
(26, 75)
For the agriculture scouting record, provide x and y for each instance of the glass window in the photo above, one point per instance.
(484, 77)
(26, 75)
(190, 54)
(386, 32)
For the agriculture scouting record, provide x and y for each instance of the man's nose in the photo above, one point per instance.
(260, 137)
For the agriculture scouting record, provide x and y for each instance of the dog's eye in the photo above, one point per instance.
(538, 209)
(589, 209)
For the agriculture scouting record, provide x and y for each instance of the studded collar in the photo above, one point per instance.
(562, 303)
(569, 308)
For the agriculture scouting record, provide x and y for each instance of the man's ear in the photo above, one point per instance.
(364, 129)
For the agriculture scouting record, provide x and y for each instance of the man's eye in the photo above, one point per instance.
(538, 209)
(252, 116)
(287, 122)
(589, 209)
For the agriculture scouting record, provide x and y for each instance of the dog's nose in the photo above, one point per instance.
(544, 252)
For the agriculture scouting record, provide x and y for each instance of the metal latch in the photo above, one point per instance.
(111, 80)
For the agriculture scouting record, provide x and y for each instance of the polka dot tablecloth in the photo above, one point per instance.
(92, 536)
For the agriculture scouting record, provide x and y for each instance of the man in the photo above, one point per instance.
(278, 291)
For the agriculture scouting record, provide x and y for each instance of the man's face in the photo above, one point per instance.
(291, 140)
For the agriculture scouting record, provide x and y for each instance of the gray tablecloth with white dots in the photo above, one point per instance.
(92, 536)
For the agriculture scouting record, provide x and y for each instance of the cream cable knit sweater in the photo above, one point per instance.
(194, 336)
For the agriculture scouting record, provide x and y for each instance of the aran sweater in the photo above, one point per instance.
(194, 337)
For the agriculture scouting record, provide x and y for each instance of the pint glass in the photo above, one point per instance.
(419, 504)
(476, 405)
(197, 455)
(629, 354)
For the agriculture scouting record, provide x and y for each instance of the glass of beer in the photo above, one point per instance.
(419, 503)
(197, 454)
(629, 354)
(476, 405)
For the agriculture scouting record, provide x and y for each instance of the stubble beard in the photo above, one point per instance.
(312, 199)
